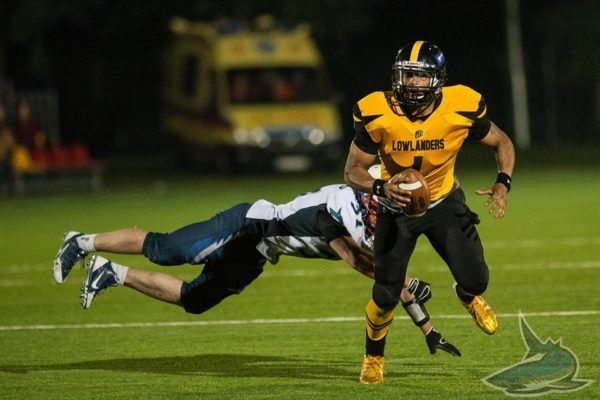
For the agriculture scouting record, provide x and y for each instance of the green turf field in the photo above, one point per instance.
(297, 332)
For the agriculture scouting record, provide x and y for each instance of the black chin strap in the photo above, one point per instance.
(409, 110)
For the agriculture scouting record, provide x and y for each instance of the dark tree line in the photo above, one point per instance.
(105, 57)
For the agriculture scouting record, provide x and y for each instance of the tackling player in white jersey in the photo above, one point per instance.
(334, 222)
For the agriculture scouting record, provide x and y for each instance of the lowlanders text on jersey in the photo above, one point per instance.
(418, 145)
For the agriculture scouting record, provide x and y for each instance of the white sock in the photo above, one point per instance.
(121, 272)
(86, 242)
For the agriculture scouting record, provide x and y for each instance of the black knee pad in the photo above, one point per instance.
(475, 288)
(475, 284)
(214, 284)
(386, 296)
(203, 293)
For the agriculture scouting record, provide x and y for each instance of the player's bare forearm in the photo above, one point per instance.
(505, 157)
(365, 265)
(356, 174)
(356, 170)
(503, 146)
(355, 256)
(505, 153)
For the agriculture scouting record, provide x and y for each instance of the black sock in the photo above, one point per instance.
(464, 296)
(375, 347)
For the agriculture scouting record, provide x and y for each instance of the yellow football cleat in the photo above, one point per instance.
(372, 370)
(482, 313)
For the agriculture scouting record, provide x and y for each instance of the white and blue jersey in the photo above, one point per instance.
(303, 227)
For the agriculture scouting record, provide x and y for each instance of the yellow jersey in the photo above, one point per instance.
(429, 144)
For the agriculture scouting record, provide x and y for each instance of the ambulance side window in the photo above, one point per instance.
(211, 89)
(190, 76)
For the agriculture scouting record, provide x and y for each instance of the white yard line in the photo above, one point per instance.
(553, 265)
(270, 321)
(338, 269)
(17, 282)
(19, 269)
(316, 272)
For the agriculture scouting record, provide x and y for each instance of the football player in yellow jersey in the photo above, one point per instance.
(422, 125)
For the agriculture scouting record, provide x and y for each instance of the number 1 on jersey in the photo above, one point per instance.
(418, 161)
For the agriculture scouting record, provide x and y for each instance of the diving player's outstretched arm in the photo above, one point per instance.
(355, 256)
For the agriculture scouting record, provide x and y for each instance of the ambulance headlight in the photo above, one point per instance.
(241, 136)
(260, 137)
(316, 136)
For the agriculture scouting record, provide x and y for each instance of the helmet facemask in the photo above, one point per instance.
(415, 96)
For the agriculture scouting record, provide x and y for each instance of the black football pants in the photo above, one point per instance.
(449, 226)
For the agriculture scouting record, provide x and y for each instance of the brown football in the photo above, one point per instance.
(420, 197)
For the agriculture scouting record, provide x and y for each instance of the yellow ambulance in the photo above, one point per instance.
(253, 97)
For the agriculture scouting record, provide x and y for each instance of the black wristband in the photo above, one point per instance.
(378, 188)
(504, 179)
